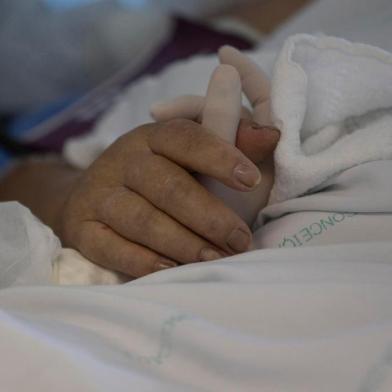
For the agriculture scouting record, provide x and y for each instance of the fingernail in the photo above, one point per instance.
(266, 128)
(165, 264)
(239, 240)
(247, 175)
(208, 254)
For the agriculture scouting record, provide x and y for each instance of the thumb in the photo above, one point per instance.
(256, 141)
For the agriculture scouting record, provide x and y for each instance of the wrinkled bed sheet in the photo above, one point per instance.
(304, 319)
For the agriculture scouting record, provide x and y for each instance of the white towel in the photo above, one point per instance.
(332, 101)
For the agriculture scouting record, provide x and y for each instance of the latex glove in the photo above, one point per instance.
(255, 83)
(221, 112)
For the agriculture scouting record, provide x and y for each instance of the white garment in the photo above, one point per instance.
(332, 102)
(354, 206)
(71, 268)
(305, 319)
(27, 247)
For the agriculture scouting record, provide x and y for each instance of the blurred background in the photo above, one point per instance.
(54, 53)
(64, 62)
(53, 49)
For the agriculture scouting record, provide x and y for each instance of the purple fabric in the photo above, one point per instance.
(188, 38)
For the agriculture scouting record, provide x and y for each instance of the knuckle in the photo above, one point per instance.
(154, 264)
(218, 227)
(143, 216)
(135, 171)
(215, 226)
(172, 189)
(126, 262)
(190, 140)
(219, 222)
(140, 263)
(170, 186)
(181, 130)
(225, 153)
(110, 200)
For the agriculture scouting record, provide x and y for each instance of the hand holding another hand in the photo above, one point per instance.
(221, 112)
(138, 209)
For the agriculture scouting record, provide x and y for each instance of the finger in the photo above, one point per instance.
(138, 220)
(197, 149)
(187, 106)
(174, 191)
(100, 244)
(221, 114)
(222, 108)
(257, 142)
(255, 83)
(246, 114)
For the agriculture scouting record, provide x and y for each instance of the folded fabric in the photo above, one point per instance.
(332, 101)
(27, 247)
(71, 268)
(354, 206)
(304, 319)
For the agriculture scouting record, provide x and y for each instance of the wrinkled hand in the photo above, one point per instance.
(137, 209)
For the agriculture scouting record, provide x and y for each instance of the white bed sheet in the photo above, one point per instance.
(306, 319)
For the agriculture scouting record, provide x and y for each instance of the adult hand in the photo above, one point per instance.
(138, 209)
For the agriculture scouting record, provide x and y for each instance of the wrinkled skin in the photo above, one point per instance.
(138, 209)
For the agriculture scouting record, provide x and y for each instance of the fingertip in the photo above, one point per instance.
(247, 176)
(225, 78)
(157, 109)
(227, 70)
(163, 264)
(226, 52)
(222, 50)
(269, 131)
(222, 109)
(257, 142)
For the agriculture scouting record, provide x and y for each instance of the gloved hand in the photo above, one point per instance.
(220, 111)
